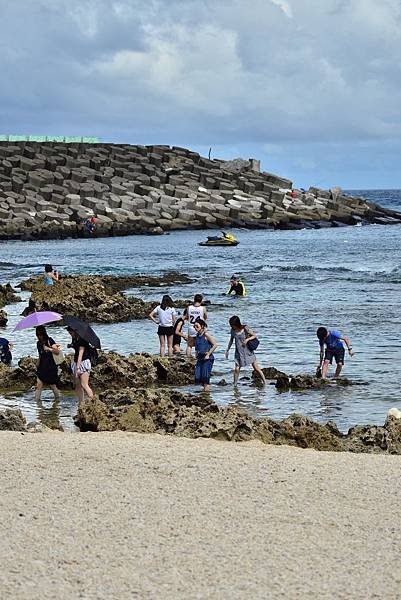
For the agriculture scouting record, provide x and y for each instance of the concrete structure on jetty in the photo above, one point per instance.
(48, 190)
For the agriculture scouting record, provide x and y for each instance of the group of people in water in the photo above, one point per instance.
(172, 329)
(171, 332)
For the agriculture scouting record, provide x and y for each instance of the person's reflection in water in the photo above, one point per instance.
(49, 414)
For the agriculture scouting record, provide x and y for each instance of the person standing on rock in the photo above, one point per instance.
(50, 275)
(166, 317)
(81, 366)
(244, 357)
(47, 370)
(331, 346)
(195, 311)
(178, 332)
(205, 345)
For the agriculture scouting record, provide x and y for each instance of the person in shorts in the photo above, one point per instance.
(194, 311)
(81, 365)
(179, 333)
(164, 315)
(332, 346)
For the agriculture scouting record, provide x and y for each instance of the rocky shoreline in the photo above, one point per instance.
(138, 393)
(48, 190)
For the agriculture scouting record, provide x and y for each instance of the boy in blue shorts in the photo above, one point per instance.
(331, 346)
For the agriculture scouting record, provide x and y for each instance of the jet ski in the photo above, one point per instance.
(227, 239)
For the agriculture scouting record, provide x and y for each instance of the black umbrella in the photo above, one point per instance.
(83, 329)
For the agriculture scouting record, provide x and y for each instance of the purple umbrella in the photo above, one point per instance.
(37, 318)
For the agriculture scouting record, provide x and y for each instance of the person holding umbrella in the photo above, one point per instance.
(84, 342)
(47, 370)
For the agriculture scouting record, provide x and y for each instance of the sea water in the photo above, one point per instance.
(345, 278)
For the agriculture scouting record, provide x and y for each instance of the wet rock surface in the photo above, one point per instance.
(96, 298)
(12, 420)
(171, 412)
(8, 295)
(112, 371)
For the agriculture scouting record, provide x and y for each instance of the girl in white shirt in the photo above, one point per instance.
(164, 315)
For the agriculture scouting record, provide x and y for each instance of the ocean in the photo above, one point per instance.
(347, 278)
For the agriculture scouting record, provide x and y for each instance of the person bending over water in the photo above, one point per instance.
(51, 275)
(244, 357)
(331, 346)
(205, 345)
(47, 370)
(166, 314)
(81, 365)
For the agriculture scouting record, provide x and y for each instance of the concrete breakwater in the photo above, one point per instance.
(48, 190)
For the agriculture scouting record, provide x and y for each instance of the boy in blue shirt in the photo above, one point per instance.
(333, 341)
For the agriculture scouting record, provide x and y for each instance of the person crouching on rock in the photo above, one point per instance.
(51, 275)
(47, 370)
(166, 314)
(244, 357)
(81, 365)
(331, 346)
(205, 345)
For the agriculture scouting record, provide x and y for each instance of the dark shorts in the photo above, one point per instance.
(165, 330)
(337, 353)
(177, 340)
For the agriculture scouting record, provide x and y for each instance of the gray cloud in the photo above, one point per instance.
(231, 73)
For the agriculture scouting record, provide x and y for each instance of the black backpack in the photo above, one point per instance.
(93, 356)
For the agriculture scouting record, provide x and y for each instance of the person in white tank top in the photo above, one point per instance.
(194, 311)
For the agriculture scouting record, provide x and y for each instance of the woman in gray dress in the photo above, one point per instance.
(244, 357)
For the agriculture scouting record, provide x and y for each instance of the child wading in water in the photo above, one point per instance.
(244, 357)
(205, 345)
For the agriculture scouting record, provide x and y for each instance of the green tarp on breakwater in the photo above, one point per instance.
(49, 138)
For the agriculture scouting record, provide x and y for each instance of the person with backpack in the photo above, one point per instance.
(245, 356)
(194, 311)
(47, 369)
(166, 314)
(81, 365)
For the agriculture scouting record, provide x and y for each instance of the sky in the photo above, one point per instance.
(310, 87)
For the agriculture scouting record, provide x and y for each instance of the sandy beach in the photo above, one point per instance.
(123, 515)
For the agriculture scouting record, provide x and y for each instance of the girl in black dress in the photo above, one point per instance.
(47, 371)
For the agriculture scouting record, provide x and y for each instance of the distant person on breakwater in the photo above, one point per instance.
(179, 333)
(47, 370)
(195, 311)
(205, 345)
(5, 351)
(237, 287)
(331, 346)
(166, 315)
(90, 225)
(244, 357)
(51, 275)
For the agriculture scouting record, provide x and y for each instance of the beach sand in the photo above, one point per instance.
(124, 515)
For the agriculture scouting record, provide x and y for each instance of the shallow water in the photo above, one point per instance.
(347, 278)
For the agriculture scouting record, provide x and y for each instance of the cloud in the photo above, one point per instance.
(285, 7)
(232, 74)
